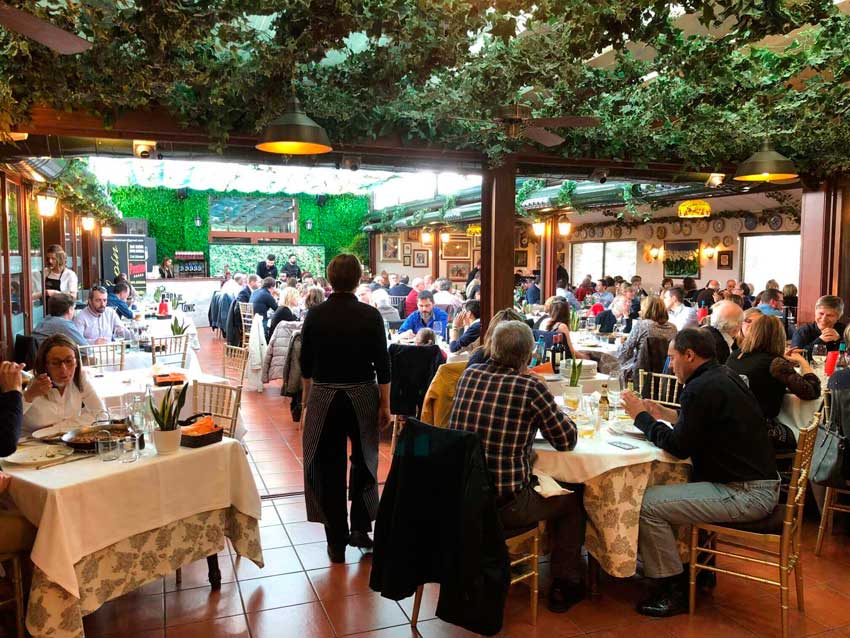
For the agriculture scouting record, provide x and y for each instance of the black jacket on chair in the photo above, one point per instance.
(412, 367)
(438, 523)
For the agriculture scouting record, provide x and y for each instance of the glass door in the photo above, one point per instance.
(36, 264)
(18, 300)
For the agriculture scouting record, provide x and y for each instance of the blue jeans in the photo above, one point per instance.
(667, 505)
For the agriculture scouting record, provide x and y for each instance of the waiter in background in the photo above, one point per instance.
(267, 268)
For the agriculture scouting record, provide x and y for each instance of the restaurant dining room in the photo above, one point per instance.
(427, 320)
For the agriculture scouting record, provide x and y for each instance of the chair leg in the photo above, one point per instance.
(395, 436)
(593, 572)
(825, 518)
(783, 599)
(18, 577)
(214, 573)
(798, 579)
(535, 576)
(692, 576)
(417, 601)
(178, 575)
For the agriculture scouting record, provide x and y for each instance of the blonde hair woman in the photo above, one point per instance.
(57, 276)
(653, 322)
(287, 309)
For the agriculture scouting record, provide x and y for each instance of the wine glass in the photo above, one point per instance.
(819, 352)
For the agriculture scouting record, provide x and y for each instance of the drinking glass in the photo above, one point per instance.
(819, 352)
(614, 402)
(108, 446)
(129, 447)
(585, 426)
(438, 329)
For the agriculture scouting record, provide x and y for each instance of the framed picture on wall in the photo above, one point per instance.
(407, 250)
(405, 261)
(390, 248)
(476, 257)
(724, 260)
(458, 270)
(420, 258)
(476, 241)
(412, 234)
(456, 249)
(520, 259)
(681, 258)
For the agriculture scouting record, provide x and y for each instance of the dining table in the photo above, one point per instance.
(108, 528)
(136, 358)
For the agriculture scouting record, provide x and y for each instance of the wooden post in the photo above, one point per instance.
(436, 247)
(824, 241)
(549, 258)
(373, 252)
(498, 194)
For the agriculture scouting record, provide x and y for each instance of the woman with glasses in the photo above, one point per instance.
(60, 390)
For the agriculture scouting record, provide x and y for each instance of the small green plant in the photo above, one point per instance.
(157, 294)
(169, 409)
(575, 372)
(178, 328)
(574, 321)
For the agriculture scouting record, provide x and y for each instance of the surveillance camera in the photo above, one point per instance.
(144, 149)
(599, 175)
(351, 162)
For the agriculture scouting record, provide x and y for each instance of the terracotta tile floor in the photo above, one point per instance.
(300, 594)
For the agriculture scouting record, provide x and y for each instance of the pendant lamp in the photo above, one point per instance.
(294, 133)
(766, 165)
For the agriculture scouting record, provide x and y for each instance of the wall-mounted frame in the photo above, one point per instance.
(724, 259)
(457, 249)
(405, 261)
(682, 258)
(421, 258)
(458, 270)
(407, 250)
(520, 259)
(390, 248)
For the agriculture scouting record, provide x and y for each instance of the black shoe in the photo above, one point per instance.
(295, 410)
(360, 539)
(336, 553)
(563, 595)
(706, 579)
(671, 599)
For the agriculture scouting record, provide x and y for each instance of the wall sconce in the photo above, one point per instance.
(539, 228)
(308, 224)
(709, 252)
(46, 203)
(656, 253)
(197, 221)
(427, 236)
(564, 228)
(715, 179)
(445, 238)
(106, 231)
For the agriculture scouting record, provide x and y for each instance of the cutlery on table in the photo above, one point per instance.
(65, 459)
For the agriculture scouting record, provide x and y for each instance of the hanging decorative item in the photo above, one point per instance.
(766, 165)
(539, 228)
(473, 230)
(692, 208)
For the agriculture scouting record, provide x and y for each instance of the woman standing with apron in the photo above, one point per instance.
(57, 277)
(346, 385)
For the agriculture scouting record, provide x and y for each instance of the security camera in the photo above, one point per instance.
(351, 162)
(599, 175)
(144, 149)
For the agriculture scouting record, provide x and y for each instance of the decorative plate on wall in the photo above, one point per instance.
(648, 232)
(702, 226)
(661, 233)
(738, 225)
(617, 232)
(775, 222)
(719, 225)
(715, 241)
(591, 232)
(677, 228)
(582, 234)
(687, 229)
(728, 241)
(751, 222)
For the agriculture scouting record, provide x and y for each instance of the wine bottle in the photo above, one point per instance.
(604, 403)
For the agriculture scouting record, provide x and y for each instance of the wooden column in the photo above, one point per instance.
(53, 229)
(373, 253)
(824, 245)
(436, 246)
(498, 193)
(549, 258)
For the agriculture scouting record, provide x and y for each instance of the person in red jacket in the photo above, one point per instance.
(413, 296)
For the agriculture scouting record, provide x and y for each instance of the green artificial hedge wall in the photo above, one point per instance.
(244, 257)
(336, 224)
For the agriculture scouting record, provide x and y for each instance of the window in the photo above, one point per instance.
(758, 267)
(598, 259)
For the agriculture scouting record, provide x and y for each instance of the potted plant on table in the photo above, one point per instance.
(166, 436)
(573, 391)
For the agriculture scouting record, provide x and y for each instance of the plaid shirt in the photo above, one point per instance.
(506, 409)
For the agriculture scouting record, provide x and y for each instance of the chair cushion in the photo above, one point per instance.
(769, 525)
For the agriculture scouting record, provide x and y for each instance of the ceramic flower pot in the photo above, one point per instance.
(166, 441)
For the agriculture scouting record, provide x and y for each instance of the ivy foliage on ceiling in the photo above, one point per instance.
(77, 188)
(225, 66)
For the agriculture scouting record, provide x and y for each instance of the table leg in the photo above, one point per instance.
(593, 570)
(214, 571)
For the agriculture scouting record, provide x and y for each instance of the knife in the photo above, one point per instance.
(67, 459)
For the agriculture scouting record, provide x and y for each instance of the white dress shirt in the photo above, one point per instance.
(683, 317)
(80, 406)
(100, 326)
(445, 298)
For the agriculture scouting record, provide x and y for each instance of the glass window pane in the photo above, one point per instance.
(35, 263)
(758, 267)
(587, 260)
(621, 259)
(16, 265)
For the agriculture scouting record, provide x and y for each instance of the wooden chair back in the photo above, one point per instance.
(221, 400)
(168, 349)
(104, 356)
(664, 389)
(235, 363)
(246, 311)
(399, 304)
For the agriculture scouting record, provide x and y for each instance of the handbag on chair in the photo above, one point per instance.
(831, 459)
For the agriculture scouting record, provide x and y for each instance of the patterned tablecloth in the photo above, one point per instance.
(130, 563)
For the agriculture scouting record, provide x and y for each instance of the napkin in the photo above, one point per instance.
(543, 368)
(547, 486)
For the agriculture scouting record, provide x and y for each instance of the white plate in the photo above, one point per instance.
(53, 430)
(38, 454)
(622, 427)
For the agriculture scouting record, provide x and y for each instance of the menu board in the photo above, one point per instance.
(137, 256)
(125, 254)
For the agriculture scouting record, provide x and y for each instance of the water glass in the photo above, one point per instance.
(108, 446)
(438, 329)
(130, 449)
(819, 352)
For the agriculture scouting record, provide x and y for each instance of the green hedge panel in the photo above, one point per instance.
(244, 257)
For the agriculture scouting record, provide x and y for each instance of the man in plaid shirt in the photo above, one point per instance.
(506, 406)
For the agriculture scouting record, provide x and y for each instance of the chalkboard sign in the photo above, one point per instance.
(127, 255)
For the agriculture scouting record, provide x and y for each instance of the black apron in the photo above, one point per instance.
(51, 283)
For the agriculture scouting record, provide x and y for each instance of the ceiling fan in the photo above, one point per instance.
(516, 121)
(43, 32)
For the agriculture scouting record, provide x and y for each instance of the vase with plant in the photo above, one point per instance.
(574, 321)
(166, 436)
(573, 390)
(178, 328)
(157, 294)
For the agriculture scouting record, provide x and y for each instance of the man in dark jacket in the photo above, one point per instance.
(506, 408)
(607, 319)
(826, 329)
(244, 295)
(117, 299)
(720, 427)
(726, 320)
(267, 268)
(292, 269)
(263, 301)
(401, 289)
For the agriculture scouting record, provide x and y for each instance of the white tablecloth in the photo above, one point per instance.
(87, 505)
(139, 359)
(797, 413)
(588, 386)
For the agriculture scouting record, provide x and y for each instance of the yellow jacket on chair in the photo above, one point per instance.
(437, 405)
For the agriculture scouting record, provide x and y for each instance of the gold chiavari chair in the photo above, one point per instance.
(104, 356)
(235, 363)
(246, 311)
(661, 388)
(168, 349)
(221, 400)
(776, 539)
(830, 499)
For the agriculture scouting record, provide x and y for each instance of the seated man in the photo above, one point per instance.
(532, 291)
(607, 319)
(425, 316)
(444, 295)
(233, 286)
(400, 288)
(253, 284)
(825, 329)
(117, 299)
(263, 300)
(413, 296)
(726, 320)
(506, 406)
(720, 426)
(60, 319)
(771, 304)
(98, 323)
(679, 314)
(468, 320)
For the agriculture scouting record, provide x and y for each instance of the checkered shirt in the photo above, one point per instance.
(506, 409)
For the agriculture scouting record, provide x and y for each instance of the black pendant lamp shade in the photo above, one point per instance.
(293, 133)
(766, 165)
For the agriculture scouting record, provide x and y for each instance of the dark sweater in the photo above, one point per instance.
(263, 301)
(721, 348)
(292, 270)
(283, 313)
(770, 376)
(264, 271)
(11, 418)
(344, 342)
(720, 427)
(808, 335)
(606, 322)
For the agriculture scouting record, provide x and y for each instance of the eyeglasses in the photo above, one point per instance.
(98, 289)
(70, 362)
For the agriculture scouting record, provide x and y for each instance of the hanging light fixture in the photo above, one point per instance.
(46, 203)
(445, 237)
(88, 223)
(766, 165)
(308, 224)
(294, 133)
(197, 221)
(564, 228)
(106, 231)
(539, 228)
(692, 208)
(427, 236)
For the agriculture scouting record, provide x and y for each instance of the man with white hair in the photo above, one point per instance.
(413, 296)
(726, 320)
(607, 319)
(234, 285)
(444, 295)
(381, 301)
(506, 406)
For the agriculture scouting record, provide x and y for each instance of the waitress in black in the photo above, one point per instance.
(58, 278)
(346, 384)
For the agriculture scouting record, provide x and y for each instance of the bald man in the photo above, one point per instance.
(726, 320)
